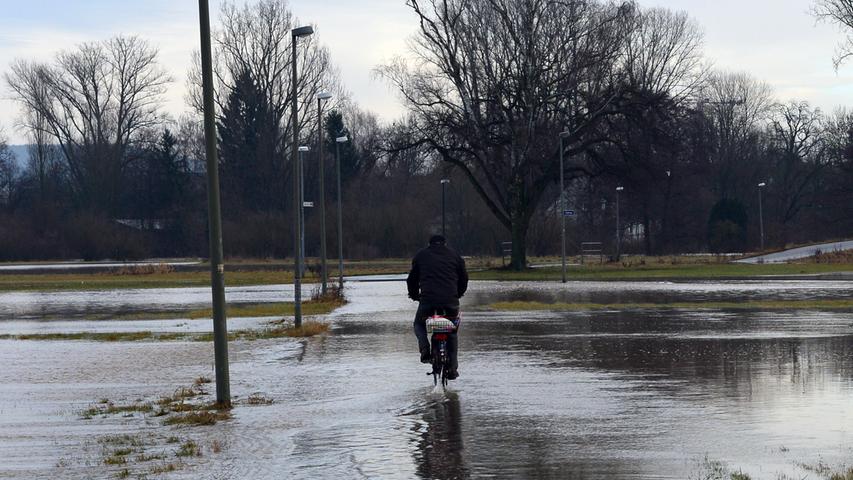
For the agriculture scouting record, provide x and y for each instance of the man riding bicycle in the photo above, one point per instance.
(438, 280)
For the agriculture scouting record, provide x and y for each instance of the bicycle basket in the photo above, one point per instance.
(439, 324)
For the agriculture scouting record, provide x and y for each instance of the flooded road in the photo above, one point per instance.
(582, 395)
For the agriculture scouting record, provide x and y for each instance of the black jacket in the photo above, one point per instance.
(438, 276)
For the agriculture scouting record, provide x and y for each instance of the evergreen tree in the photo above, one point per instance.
(249, 153)
(349, 155)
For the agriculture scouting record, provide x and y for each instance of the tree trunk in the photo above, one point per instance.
(518, 261)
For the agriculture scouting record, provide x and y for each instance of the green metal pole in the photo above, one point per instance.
(217, 267)
(297, 204)
(562, 214)
(340, 218)
(322, 198)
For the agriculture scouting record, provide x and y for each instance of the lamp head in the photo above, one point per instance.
(445, 180)
(304, 148)
(762, 184)
(342, 139)
(324, 96)
(565, 134)
(302, 31)
(619, 189)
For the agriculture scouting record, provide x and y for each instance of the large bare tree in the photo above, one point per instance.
(495, 82)
(95, 101)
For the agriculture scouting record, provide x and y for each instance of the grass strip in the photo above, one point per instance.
(661, 271)
(235, 310)
(840, 304)
(281, 330)
(270, 309)
(173, 279)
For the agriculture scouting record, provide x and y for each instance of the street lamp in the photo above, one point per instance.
(444, 182)
(302, 206)
(563, 207)
(618, 231)
(296, 33)
(320, 99)
(338, 142)
(761, 214)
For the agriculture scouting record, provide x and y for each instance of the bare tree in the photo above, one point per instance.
(839, 12)
(94, 101)
(496, 81)
(43, 165)
(737, 108)
(664, 54)
(255, 40)
(8, 172)
(836, 189)
(798, 148)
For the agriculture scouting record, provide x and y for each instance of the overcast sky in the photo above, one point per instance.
(774, 40)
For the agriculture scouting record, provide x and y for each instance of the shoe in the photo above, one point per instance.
(452, 375)
(426, 356)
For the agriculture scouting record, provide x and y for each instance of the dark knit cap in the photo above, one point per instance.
(437, 240)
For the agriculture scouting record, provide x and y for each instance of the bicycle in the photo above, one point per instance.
(439, 328)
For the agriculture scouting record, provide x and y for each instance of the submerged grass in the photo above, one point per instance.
(827, 472)
(100, 336)
(839, 304)
(189, 449)
(198, 418)
(113, 409)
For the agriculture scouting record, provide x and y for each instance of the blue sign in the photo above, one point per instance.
(568, 213)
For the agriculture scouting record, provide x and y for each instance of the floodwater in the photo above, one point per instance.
(581, 395)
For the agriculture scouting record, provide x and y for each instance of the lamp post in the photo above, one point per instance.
(761, 214)
(618, 231)
(296, 33)
(444, 182)
(302, 206)
(217, 267)
(338, 142)
(562, 208)
(323, 275)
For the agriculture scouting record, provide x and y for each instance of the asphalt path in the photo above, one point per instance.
(799, 252)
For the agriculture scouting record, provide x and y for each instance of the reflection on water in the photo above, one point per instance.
(438, 448)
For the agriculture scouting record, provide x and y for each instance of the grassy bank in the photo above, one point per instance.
(840, 304)
(167, 279)
(248, 272)
(659, 271)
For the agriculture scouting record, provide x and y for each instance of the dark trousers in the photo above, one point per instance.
(425, 310)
